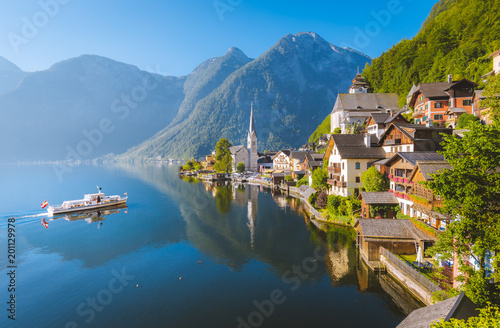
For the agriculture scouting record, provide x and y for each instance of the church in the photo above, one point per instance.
(356, 106)
(248, 155)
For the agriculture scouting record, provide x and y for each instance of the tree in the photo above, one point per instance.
(492, 101)
(373, 180)
(223, 156)
(321, 200)
(471, 194)
(303, 181)
(319, 179)
(240, 167)
(465, 120)
(337, 131)
(197, 166)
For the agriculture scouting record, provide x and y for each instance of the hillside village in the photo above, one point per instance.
(370, 131)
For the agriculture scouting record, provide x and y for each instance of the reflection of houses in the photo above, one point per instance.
(349, 155)
(411, 138)
(424, 200)
(432, 100)
(381, 204)
(459, 307)
(397, 236)
(400, 166)
(337, 263)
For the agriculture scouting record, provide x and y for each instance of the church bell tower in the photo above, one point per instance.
(252, 144)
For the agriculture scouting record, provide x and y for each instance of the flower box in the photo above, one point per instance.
(405, 180)
(390, 176)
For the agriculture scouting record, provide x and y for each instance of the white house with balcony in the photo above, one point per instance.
(349, 155)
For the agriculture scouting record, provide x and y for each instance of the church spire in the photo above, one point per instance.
(252, 121)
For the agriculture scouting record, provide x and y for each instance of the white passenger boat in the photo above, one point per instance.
(89, 202)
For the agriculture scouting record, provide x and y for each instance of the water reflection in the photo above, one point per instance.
(91, 216)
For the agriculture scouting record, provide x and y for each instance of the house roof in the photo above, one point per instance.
(379, 118)
(414, 157)
(458, 307)
(366, 101)
(438, 89)
(299, 154)
(494, 54)
(361, 152)
(430, 167)
(379, 198)
(412, 91)
(456, 110)
(392, 229)
(314, 159)
(409, 130)
(353, 146)
(284, 151)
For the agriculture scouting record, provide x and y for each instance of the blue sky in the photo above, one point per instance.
(173, 37)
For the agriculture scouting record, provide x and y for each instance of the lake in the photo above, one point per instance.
(182, 254)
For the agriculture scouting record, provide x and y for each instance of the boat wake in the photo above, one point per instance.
(22, 217)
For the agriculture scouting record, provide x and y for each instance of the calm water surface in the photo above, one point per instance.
(181, 255)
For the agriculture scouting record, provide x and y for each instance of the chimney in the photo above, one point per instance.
(368, 140)
(450, 78)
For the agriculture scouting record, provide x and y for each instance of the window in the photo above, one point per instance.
(368, 165)
(438, 117)
(438, 105)
(467, 102)
(426, 107)
(358, 180)
(358, 165)
(342, 166)
(449, 103)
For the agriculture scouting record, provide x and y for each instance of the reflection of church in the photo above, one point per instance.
(248, 196)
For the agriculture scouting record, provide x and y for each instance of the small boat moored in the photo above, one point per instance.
(89, 202)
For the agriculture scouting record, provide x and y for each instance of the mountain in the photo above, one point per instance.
(456, 38)
(293, 86)
(10, 75)
(83, 108)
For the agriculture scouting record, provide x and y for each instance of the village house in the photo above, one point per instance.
(424, 200)
(265, 161)
(208, 163)
(378, 204)
(378, 122)
(400, 167)
(311, 162)
(399, 237)
(297, 158)
(349, 155)
(412, 138)
(282, 160)
(431, 101)
(357, 106)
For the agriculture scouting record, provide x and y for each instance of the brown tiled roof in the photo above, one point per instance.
(393, 229)
(432, 167)
(438, 89)
(373, 198)
(361, 152)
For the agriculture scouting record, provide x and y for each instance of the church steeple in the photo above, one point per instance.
(252, 121)
(252, 144)
(359, 85)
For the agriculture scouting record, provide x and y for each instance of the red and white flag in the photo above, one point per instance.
(44, 204)
(45, 224)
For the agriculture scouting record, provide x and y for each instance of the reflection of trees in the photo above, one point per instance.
(223, 196)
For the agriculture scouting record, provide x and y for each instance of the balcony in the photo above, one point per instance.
(336, 183)
(390, 142)
(334, 170)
